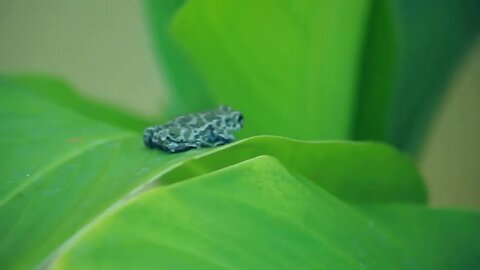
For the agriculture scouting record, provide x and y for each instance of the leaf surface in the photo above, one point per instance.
(59, 163)
(256, 215)
(64, 171)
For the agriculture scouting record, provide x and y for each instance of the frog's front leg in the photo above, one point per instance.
(218, 138)
(224, 137)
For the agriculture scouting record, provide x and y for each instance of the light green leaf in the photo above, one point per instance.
(256, 215)
(61, 93)
(412, 49)
(290, 66)
(60, 169)
(64, 170)
(297, 61)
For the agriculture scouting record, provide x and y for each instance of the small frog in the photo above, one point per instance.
(196, 130)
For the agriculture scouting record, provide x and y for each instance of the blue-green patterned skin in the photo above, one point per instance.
(196, 130)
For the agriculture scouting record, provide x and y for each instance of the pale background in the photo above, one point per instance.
(102, 47)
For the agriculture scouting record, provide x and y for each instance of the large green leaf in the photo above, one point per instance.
(62, 170)
(412, 48)
(298, 61)
(56, 163)
(256, 215)
(290, 66)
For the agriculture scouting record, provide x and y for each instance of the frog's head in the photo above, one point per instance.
(233, 119)
(155, 136)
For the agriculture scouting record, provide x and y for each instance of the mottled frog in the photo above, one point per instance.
(196, 130)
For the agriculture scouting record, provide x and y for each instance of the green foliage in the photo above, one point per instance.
(322, 69)
(62, 162)
(189, 90)
(59, 163)
(78, 189)
(60, 93)
(257, 215)
(225, 215)
(283, 63)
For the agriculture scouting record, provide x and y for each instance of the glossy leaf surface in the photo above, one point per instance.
(61, 162)
(256, 215)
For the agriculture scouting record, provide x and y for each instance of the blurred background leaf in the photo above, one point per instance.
(290, 67)
(62, 94)
(299, 60)
(412, 49)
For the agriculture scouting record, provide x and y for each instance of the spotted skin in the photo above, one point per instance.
(196, 130)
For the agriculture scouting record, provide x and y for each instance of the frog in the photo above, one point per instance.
(196, 130)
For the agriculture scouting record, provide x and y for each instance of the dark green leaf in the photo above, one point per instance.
(188, 91)
(412, 49)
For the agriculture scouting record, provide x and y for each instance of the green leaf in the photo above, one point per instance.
(376, 76)
(256, 215)
(298, 61)
(289, 66)
(64, 95)
(412, 48)
(187, 91)
(376, 172)
(64, 171)
(439, 238)
(59, 163)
